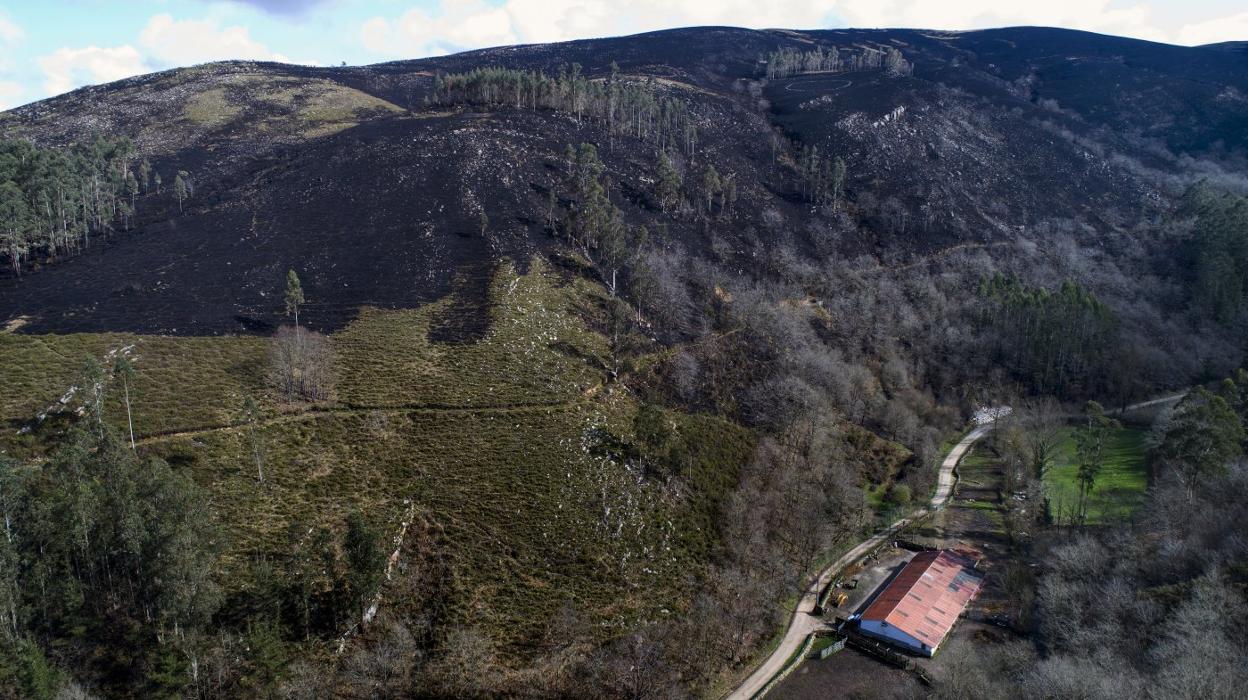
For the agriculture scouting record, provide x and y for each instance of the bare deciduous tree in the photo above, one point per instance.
(301, 364)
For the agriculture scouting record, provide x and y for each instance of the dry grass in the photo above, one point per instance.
(211, 108)
(535, 352)
(311, 108)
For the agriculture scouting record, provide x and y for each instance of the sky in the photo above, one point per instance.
(48, 47)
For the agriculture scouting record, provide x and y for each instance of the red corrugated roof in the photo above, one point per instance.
(927, 596)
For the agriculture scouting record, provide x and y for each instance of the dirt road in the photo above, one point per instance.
(804, 621)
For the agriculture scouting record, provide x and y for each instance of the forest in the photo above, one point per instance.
(53, 200)
(788, 62)
(626, 105)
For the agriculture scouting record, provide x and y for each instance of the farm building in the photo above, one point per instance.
(919, 606)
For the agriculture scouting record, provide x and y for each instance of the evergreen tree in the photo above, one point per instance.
(294, 295)
(1062, 342)
(667, 184)
(145, 174)
(838, 180)
(1199, 438)
(625, 107)
(710, 184)
(53, 200)
(94, 387)
(106, 540)
(15, 217)
(366, 562)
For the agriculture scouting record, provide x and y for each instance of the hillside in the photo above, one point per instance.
(346, 170)
(611, 341)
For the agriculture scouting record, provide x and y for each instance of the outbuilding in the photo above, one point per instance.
(918, 608)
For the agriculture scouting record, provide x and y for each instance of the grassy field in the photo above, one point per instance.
(287, 102)
(536, 352)
(182, 383)
(515, 444)
(1120, 487)
(976, 500)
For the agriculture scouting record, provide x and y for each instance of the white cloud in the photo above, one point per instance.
(173, 42)
(455, 25)
(164, 42)
(10, 32)
(10, 94)
(66, 69)
(1233, 28)
(1092, 15)
(462, 25)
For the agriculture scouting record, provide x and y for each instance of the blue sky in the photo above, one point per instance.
(48, 47)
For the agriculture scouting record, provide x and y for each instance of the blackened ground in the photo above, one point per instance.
(466, 318)
(996, 132)
(381, 215)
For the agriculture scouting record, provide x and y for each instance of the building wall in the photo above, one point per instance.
(893, 635)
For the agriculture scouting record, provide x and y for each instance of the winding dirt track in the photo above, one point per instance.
(804, 621)
(796, 86)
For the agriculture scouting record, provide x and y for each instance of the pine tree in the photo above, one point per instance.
(667, 184)
(294, 295)
(838, 180)
(710, 186)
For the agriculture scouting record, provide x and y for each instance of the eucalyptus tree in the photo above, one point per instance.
(123, 369)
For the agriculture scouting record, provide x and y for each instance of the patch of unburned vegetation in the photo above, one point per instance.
(338, 103)
(181, 383)
(545, 493)
(318, 107)
(535, 351)
(1120, 486)
(535, 516)
(211, 108)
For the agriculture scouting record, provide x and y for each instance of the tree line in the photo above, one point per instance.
(1217, 250)
(627, 106)
(53, 200)
(104, 554)
(1195, 441)
(821, 178)
(109, 561)
(787, 61)
(1057, 342)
